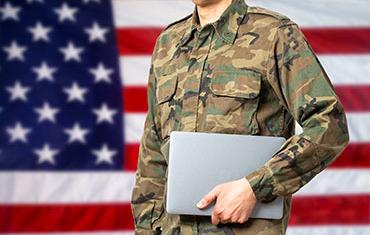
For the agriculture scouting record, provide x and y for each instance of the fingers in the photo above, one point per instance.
(217, 211)
(206, 200)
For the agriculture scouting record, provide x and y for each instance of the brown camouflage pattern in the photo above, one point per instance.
(251, 72)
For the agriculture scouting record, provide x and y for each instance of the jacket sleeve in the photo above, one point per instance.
(305, 91)
(147, 194)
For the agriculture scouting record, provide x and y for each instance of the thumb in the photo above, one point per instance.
(206, 200)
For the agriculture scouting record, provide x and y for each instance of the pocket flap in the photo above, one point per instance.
(243, 83)
(166, 84)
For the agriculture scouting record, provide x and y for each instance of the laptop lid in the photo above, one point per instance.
(199, 161)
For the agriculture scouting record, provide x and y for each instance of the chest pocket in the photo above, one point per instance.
(165, 93)
(236, 83)
(233, 105)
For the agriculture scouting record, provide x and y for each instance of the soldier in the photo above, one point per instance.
(233, 68)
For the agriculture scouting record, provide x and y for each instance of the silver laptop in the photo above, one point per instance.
(199, 161)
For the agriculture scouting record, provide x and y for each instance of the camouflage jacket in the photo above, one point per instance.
(250, 72)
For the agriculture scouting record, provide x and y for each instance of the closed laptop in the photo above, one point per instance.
(199, 161)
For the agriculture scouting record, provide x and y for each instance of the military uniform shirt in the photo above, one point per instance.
(250, 72)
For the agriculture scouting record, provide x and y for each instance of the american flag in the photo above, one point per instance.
(73, 77)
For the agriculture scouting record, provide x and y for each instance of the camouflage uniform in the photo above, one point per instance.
(251, 72)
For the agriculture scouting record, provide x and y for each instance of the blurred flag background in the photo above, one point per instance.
(73, 77)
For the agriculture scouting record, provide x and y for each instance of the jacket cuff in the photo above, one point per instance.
(262, 184)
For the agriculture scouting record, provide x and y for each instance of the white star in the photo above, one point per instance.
(44, 72)
(17, 91)
(104, 154)
(104, 114)
(46, 113)
(96, 33)
(66, 13)
(10, 12)
(46, 154)
(71, 52)
(31, 1)
(75, 92)
(101, 73)
(40, 32)
(15, 51)
(87, 1)
(76, 133)
(18, 132)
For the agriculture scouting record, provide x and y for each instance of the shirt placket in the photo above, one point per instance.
(197, 59)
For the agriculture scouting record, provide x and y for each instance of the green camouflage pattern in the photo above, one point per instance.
(251, 72)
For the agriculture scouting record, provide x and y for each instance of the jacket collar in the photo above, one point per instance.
(226, 26)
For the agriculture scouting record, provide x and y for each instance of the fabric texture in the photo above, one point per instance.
(250, 72)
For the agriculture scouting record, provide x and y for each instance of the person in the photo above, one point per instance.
(233, 68)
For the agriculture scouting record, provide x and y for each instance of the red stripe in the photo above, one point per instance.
(137, 40)
(339, 40)
(62, 218)
(140, 40)
(317, 210)
(135, 99)
(354, 156)
(353, 98)
(331, 210)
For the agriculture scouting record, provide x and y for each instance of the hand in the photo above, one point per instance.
(235, 201)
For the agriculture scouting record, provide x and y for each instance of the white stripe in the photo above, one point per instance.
(358, 125)
(65, 187)
(328, 230)
(342, 69)
(337, 181)
(133, 127)
(308, 13)
(134, 70)
(70, 187)
(133, 13)
(347, 69)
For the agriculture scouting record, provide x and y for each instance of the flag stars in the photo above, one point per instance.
(40, 32)
(10, 12)
(101, 73)
(75, 93)
(104, 155)
(46, 113)
(96, 33)
(66, 12)
(76, 133)
(71, 52)
(18, 133)
(44, 72)
(15, 51)
(18, 92)
(104, 114)
(46, 154)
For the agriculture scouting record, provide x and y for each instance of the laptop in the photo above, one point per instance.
(199, 161)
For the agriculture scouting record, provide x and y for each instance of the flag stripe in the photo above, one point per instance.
(339, 40)
(347, 70)
(328, 230)
(346, 210)
(129, 13)
(356, 155)
(358, 124)
(66, 217)
(315, 210)
(141, 40)
(86, 187)
(352, 98)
